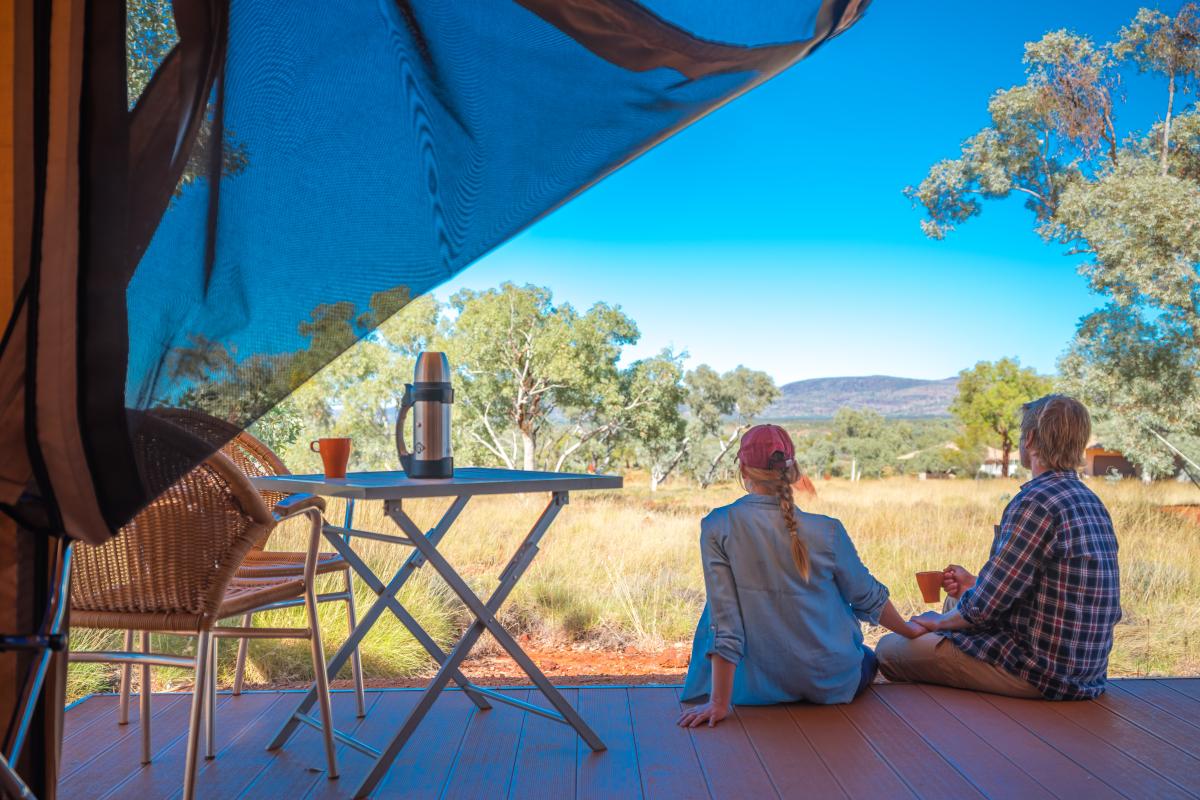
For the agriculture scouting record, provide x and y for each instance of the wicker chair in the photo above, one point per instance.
(172, 570)
(256, 460)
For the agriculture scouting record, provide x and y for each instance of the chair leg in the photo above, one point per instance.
(126, 679)
(210, 706)
(318, 660)
(199, 701)
(144, 702)
(355, 660)
(239, 672)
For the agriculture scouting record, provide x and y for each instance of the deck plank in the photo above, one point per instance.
(789, 758)
(243, 755)
(300, 763)
(1154, 718)
(982, 764)
(114, 764)
(1095, 755)
(1139, 741)
(545, 766)
(164, 779)
(1059, 774)
(94, 709)
(914, 759)
(485, 762)
(423, 766)
(105, 734)
(612, 772)
(1189, 687)
(1165, 695)
(860, 770)
(376, 729)
(667, 759)
(1144, 747)
(730, 762)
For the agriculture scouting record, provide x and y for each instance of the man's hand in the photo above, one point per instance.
(929, 622)
(712, 713)
(956, 580)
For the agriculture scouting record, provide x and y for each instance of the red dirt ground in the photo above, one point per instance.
(564, 666)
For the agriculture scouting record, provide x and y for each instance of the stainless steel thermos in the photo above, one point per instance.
(429, 397)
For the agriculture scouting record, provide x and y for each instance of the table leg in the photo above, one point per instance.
(407, 619)
(368, 620)
(485, 620)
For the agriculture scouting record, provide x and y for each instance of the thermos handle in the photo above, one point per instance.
(406, 404)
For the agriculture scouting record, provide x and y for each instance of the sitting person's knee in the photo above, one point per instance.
(898, 655)
(890, 651)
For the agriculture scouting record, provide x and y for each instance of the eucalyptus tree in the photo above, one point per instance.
(521, 360)
(989, 400)
(1127, 203)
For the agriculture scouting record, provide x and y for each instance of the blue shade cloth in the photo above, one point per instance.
(355, 155)
(791, 639)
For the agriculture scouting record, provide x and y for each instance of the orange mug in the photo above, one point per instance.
(931, 585)
(335, 453)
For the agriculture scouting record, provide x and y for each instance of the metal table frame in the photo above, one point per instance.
(425, 550)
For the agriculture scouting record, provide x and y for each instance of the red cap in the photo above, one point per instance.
(763, 441)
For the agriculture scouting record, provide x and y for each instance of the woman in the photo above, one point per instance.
(786, 591)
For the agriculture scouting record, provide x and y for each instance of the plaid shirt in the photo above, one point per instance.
(1044, 605)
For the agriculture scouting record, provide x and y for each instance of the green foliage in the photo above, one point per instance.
(150, 35)
(721, 407)
(520, 359)
(1128, 205)
(863, 444)
(990, 396)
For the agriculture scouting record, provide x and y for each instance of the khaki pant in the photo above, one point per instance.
(934, 659)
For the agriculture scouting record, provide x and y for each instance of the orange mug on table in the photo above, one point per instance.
(931, 585)
(335, 454)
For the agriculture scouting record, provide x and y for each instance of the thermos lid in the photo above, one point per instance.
(432, 367)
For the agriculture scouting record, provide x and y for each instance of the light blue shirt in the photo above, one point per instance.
(791, 639)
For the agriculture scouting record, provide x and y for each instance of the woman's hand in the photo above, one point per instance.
(956, 580)
(929, 622)
(712, 713)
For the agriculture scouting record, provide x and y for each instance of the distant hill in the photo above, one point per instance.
(892, 397)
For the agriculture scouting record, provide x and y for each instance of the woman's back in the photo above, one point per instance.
(791, 638)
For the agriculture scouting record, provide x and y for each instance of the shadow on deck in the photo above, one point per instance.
(1141, 740)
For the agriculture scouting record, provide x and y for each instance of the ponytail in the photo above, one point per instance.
(781, 479)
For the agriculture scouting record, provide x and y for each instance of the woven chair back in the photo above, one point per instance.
(177, 556)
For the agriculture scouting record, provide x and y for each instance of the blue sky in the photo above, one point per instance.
(774, 233)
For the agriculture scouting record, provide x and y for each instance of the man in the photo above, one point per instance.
(1038, 621)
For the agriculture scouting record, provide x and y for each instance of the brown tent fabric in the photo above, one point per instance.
(289, 175)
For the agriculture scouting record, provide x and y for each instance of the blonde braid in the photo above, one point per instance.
(781, 481)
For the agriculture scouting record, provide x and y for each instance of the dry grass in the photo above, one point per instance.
(621, 569)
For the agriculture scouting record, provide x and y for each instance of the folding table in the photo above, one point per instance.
(393, 488)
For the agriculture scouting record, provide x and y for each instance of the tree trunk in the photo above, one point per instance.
(530, 442)
(1006, 449)
(1166, 136)
(660, 474)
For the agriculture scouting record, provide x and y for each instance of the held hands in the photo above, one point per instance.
(929, 622)
(956, 580)
(712, 713)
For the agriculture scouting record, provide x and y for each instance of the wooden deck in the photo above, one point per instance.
(1141, 740)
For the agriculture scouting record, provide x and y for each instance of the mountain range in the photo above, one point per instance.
(888, 395)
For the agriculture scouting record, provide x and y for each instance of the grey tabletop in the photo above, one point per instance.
(466, 481)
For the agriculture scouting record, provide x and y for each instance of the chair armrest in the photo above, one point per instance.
(295, 504)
